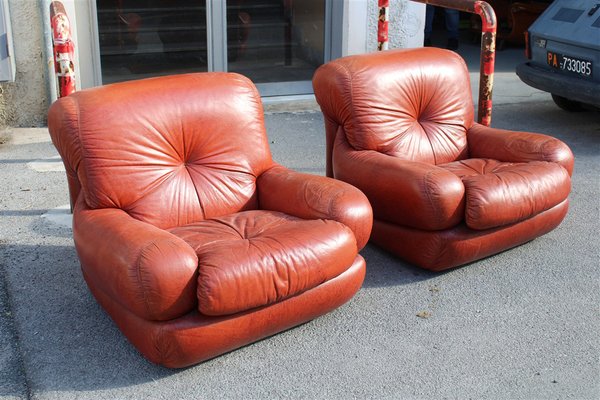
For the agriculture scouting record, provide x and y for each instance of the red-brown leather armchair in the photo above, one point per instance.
(189, 235)
(445, 190)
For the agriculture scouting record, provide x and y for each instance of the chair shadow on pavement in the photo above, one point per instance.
(67, 341)
(384, 269)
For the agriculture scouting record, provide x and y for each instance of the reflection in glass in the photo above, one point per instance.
(143, 38)
(275, 40)
(267, 40)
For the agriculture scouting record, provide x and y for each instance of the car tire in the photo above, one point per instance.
(566, 104)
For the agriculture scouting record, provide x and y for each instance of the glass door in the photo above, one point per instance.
(141, 38)
(278, 44)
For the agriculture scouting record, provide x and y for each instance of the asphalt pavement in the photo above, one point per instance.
(523, 324)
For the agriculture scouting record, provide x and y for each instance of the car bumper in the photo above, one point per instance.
(562, 85)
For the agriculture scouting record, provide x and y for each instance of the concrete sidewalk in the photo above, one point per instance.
(521, 324)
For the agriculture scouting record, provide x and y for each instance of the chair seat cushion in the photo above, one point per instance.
(255, 258)
(500, 193)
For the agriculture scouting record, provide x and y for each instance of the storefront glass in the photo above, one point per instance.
(278, 44)
(141, 38)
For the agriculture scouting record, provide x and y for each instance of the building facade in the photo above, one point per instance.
(276, 43)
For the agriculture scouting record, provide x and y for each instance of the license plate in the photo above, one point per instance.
(570, 64)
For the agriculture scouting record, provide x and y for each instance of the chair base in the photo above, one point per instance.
(193, 338)
(440, 250)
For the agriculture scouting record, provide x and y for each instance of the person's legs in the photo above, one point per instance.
(452, 22)
(429, 13)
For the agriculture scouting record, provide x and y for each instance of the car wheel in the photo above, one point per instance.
(566, 104)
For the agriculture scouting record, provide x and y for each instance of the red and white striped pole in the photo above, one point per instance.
(488, 59)
(63, 49)
(382, 25)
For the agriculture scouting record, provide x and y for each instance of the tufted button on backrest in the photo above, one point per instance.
(170, 150)
(414, 104)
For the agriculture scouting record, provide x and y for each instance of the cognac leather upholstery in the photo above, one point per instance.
(189, 235)
(445, 190)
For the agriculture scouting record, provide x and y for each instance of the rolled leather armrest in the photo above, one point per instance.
(147, 270)
(311, 196)
(404, 192)
(512, 146)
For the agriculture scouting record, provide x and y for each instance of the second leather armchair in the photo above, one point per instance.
(445, 190)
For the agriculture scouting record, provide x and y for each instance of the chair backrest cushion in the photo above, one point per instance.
(170, 150)
(415, 104)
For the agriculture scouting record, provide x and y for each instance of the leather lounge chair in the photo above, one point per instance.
(189, 235)
(445, 190)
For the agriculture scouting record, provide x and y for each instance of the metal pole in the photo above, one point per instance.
(488, 50)
(382, 25)
(487, 61)
(48, 50)
(63, 48)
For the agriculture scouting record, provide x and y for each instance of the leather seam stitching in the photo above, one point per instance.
(139, 276)
(82, 150)
(351, 93)
(427, 180)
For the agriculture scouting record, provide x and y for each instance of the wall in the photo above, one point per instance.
(407, 22)
(24, 103)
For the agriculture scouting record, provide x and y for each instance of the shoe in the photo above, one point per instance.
(452, 44)
(427, 42)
